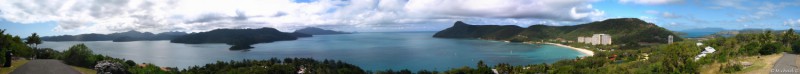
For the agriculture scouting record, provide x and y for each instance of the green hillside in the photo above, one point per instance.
(624, 31)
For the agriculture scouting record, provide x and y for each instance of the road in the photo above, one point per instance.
(786, 65)
(45, 66)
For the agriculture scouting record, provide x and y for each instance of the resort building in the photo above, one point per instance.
(596, 39)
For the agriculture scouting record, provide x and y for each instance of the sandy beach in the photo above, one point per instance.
(584, 51)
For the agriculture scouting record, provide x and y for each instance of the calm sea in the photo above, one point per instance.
(370, 51)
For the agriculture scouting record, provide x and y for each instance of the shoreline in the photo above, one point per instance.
(584, 51)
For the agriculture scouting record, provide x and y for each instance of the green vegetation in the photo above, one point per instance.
(33, 40)
(631, 33)
(276, 66)
(15, 45)
(239, 38)
(81, 56)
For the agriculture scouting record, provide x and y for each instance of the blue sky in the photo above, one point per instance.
(60, 17)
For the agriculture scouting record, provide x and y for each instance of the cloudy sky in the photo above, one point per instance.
(59, 17)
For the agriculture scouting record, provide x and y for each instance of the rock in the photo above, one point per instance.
(108, 67)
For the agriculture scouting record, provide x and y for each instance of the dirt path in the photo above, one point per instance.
(45, 66)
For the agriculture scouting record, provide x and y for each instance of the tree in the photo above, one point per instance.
(78, 55)
(482, 68)
(33, 40)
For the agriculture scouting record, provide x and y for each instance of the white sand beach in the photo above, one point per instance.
(584, 51)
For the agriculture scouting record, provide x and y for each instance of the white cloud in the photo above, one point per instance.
(662, 14)
(764, 11)
(569, 10)
(736, 4)
(102, 16)
(650, 2)
(792, 23)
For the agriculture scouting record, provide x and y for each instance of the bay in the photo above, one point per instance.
(370, 51)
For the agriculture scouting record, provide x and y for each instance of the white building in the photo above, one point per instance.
(670, 39)
(705, 52)
(596, 39)
(604, 39)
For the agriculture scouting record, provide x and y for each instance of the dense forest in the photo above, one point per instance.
(239, 38)
(624, 31)
(116, 37)
(17, 46)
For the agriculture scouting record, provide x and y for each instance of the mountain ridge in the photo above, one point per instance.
(239, 38)
(116, 37)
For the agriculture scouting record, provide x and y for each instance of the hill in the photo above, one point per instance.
(239, 38)
(623, 31)
(318, 31)
(116, 37)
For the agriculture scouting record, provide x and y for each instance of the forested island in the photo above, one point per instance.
(624, 31)
(116, 37)
(318, 31)
(239, 38)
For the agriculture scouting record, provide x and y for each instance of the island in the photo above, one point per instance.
(318, 31)
(631, 32)
(116, 37)
(239, 38)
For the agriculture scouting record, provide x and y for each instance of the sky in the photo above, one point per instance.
(70, 17)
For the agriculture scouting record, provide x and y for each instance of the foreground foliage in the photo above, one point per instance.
(276, 66)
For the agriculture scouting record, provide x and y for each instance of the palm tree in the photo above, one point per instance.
(33, 40)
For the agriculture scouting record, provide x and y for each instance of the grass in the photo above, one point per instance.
(760, 65)
(84, 70)
(14, 65)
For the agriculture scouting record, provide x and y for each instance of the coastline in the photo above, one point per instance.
(584, 51)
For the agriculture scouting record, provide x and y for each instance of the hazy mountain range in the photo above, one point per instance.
(116, 37)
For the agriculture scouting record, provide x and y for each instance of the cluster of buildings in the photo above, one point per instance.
(596, 39)
(705, 52)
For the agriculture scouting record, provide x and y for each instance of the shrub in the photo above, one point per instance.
(79, 55)
(47, 53)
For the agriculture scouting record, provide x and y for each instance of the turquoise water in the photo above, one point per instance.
(370, 51)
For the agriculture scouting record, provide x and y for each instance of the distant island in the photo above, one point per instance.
(239, 38)
(116, 37)
(318, 31)
(624, 31)
(295, 34)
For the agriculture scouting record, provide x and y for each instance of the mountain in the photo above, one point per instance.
(318, 31)
(295, 34)
(729, 33)
(627, 31)
(239, 38)
(116, 37)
